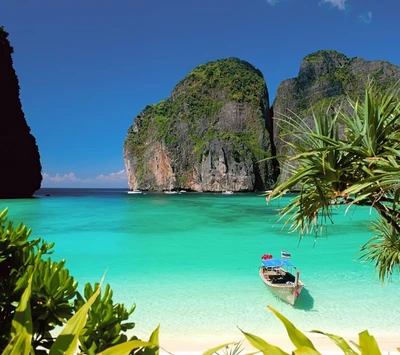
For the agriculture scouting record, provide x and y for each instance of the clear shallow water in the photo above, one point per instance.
(190, 261)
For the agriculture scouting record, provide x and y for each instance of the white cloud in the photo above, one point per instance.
(60, 178)
(118, 176)
(272, 2)
(340, 4)
(366, 17)
(71, 180)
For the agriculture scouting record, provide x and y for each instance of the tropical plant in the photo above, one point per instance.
(350, 156)
(104, 327)
(38, 295)
(18, 255)
(367, 344)
(67, 341)
(232, 349)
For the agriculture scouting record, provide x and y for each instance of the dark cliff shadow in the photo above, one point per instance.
(305, 301)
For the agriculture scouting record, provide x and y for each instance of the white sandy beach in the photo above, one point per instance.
(200, 344)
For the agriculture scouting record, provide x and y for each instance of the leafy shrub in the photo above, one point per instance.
(37, 295)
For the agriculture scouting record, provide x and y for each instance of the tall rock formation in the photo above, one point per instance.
(211, 134)
(20, 161)
(325, 79)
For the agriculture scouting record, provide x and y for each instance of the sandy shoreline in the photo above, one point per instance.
(198, 345)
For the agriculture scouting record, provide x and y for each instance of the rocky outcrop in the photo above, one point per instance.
(20, 162)
(209, 135)
(216, 128)
(325, 79)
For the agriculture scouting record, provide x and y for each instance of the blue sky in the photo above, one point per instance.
(87, 67)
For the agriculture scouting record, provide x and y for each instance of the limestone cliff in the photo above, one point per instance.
(20, 161)
(209, 135)
(325, 78)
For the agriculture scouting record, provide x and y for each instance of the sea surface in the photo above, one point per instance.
(190, 261)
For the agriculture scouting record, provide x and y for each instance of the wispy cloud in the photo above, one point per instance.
(367, 17)
(340, 4)
(60, 178)
(71, 180)
(118, 176)
(272, 2)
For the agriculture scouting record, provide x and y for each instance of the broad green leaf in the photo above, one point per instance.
(262, 345)
(339, 341)
(67, 341)
(21, 326)
(295, 335)
(217, 348)
(368, 344)
(305, 350)
(154, 339)
(126, 348)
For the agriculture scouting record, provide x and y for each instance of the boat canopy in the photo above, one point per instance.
(276, 263)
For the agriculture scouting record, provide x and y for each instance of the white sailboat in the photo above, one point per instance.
(134, 192)
(170, 191)
(226, 191)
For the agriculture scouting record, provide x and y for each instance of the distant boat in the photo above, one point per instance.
(170, 191)
(226, 191)
(279, 280)
(285, 254)
(134, 192)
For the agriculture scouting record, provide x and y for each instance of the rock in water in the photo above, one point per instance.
(20, 160)
(211, 134)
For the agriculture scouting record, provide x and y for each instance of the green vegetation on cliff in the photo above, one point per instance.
(238, 79)
(223, 101)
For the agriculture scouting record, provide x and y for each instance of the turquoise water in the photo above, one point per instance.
(190, 261)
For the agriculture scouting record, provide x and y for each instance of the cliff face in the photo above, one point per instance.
(324, 79)
(20, 163)
(209, 135)
(216, 127)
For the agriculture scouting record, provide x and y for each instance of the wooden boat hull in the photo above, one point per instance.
(287, 292)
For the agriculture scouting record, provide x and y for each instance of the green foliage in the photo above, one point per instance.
(320, 55)
(360, 168)
(67, 341)
(52, 291)
(18, 255)
(162, 124)
(105, 325)
(36, 295)
(303, 345)
(200, 148)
